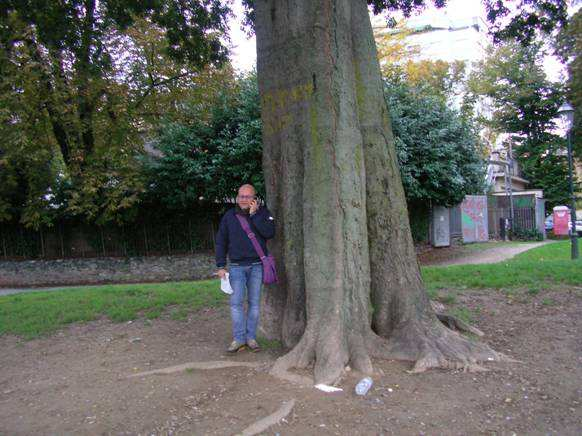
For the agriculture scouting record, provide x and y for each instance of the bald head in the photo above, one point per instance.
(246, 195)
(247, 188)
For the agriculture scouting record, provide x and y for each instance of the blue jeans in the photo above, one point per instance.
(245, 280)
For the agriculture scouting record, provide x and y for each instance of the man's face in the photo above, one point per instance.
(245, 197)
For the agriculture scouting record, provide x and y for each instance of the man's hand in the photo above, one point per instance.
(221, 273)
(254, 207)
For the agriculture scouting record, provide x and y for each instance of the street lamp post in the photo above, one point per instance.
(566, 112)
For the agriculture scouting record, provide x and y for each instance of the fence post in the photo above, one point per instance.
(145, 235)
(168, 240)
(22, 242)
(124, 240)
(102, 241)
(213, 235)
(4, 244)
(42, 252)
(83, 252)
(62, 241)
(190, 236)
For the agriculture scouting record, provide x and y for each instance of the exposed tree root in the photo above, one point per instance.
(456, 324)
(216, 364)
(426, 342)
(268, 421)
(328, 364)
(301, 356)
(430, 344)
(453, 322)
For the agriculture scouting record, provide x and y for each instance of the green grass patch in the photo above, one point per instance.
(32, 314)
(548, 266)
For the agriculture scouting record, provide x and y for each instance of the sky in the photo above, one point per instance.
(244, 51)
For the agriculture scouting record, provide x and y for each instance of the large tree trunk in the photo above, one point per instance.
(334, 185)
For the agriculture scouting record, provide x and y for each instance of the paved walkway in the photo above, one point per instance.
(494, 255)
(9, 291)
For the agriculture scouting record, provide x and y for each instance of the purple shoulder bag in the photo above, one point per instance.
(269, 271)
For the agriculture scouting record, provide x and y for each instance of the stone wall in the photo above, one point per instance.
(32, 273)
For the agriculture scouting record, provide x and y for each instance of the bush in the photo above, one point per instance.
(527, 235)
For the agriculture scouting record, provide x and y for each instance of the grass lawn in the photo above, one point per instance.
(543, 267)
(32, 314)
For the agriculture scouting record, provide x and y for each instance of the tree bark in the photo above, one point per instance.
(334, 186)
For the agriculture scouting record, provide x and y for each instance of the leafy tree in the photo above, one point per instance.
(525, 105)
(569, 47)
(435, 77)
(524, 21)
(439, 152)
(209, 158)
(162, 88)
(71, 97)
(440, 78)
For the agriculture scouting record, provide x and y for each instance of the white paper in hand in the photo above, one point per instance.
(225, 285)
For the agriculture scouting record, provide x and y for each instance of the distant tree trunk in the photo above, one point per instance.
(334, 185)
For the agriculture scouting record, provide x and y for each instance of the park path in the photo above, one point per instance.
(10, 291)
(494, 254)
(488, 255)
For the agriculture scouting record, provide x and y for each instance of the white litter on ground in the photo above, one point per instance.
(327, 388)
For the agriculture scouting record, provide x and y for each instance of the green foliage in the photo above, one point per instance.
(525, 105)
(527, 235)
(531, 18)
(210, 158)
(569, 46)
(438, 151)
(73, 105)
(419, 216)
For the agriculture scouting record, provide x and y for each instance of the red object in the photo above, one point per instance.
(561, 220)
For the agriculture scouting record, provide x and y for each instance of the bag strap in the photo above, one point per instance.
(247, 228)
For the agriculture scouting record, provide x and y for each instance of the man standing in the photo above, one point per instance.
(246, 269)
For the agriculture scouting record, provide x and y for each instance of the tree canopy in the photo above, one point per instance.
(439, 151)
(440, 154)
(525, 105)
(209, 158)
(80, 79)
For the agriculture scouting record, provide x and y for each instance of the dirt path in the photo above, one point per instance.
(75, 382)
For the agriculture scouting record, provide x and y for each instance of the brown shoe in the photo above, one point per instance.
(253, 345)
(235, 347)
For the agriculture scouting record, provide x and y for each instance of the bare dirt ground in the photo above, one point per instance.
(75, 382)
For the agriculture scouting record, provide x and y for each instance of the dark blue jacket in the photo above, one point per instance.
(231, 239)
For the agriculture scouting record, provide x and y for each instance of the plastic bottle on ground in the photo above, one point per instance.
(363, 386)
